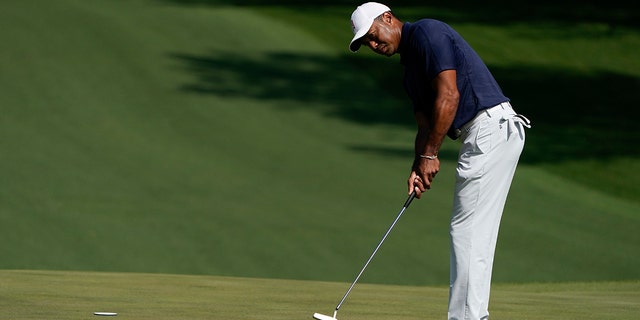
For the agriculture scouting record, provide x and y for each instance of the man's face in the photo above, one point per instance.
(383, 37)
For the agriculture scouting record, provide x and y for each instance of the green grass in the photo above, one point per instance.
(575, 76)
(77, 295)
(155, 137)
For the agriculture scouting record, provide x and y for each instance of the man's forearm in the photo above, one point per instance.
(443, 115)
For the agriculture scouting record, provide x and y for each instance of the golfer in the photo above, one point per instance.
(453, 93)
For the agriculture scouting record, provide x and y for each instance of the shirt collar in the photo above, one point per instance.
(404, 39)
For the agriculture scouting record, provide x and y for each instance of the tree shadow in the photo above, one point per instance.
(305, 79)
(590, 116)
(575, 116)
(612, 12)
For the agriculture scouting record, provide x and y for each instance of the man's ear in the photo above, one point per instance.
(387, 17)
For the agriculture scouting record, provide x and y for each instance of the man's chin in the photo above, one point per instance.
(387, 53)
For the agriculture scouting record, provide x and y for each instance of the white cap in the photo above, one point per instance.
(362, 19)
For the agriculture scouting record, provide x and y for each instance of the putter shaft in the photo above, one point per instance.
(404, 207)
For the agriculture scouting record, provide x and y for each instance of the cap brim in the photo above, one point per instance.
(355, 42)
(355, 45)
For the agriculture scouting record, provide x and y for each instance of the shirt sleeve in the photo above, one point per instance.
(439, 50)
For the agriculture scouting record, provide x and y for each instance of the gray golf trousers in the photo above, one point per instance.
(491, 146)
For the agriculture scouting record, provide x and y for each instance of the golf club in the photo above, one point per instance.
(319, 316)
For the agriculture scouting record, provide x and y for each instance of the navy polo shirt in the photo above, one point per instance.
(428, 47)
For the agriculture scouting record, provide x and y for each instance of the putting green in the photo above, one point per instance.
(155, 136)
(77, 295)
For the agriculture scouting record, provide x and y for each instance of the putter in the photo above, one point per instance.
(319, 316)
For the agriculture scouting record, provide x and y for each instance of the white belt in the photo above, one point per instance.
(503, 110)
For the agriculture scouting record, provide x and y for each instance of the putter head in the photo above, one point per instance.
(319, 316)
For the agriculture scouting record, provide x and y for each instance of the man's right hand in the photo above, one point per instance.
(422, 174)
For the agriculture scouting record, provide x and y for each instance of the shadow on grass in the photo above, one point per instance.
(575, 116)
(614, 12)
(584, 116)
